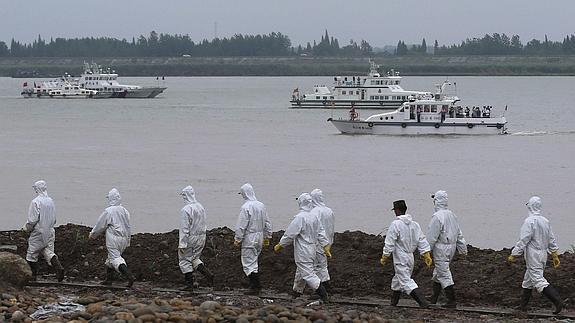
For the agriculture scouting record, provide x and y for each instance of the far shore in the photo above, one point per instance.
(429, 65)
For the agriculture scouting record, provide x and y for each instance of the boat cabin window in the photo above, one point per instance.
(386, 97)
(434, 108)
(325, 97)
(343, 92)
(317, 97)
(426, 108)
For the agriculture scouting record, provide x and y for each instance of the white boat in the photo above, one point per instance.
(107, 85)
(373, 91)
(57, 89)
(434, 115)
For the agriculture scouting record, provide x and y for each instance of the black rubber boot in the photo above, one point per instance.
(417, 295)
(55, 262)
(554, 297)
(189, 280)
(255, 286)
(123, 269)
(109, 276)
(436, 292)
(323, 295)
(450, 294)
(327, 286)
(395, 297)
(295, 294)
(204, 271)
(34, 269)
(525, 298)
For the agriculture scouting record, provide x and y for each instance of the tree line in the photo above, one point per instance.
(165, 45)
(494, 44)
(273, 44)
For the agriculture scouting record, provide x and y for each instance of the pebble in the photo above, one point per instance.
(147, 318)
(7, 296)
(143, 311)
(18, 316)
(209, 306)
(94, 308)
(124, 316)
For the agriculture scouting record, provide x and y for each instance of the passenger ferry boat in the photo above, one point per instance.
(106, 83)
(373, 91)
(437, 114)
(57, 89)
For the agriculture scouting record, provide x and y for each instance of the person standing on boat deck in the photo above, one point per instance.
(192, 238)
(403, 237)
(253, 231)
(445, 238)
(115, 221)
(536, 240)
(327, 220)
(40, 225)
(306, 234)
(418, 113)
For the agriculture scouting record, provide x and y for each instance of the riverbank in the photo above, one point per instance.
(483, 278)
(294, 66)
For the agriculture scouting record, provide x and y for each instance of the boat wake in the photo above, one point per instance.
(542, 133)
(530, 133)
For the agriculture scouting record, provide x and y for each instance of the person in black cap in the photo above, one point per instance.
(403, 237)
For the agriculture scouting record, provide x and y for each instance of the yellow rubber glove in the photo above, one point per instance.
(277, 248)
(237, 243)
(383, 260)
(327, 251)
(427, 259)
(511, 258)
(556, 261)
(266, 243)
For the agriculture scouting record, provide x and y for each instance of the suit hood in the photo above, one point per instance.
(114, 198)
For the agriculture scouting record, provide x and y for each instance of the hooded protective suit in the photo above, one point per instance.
(445, 238)
(40, 224)
(536, 240)
(327, 220)
(403, 237)
(115, 221)
(192, 232)
(306, 234)
(252, 228)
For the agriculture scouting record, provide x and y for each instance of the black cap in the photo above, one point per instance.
(399, 204)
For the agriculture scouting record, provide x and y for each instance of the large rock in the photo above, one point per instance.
(14, 270)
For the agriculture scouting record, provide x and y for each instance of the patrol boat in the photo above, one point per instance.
(107, 85)
(436, 114)
(58, 89)
(373, 91)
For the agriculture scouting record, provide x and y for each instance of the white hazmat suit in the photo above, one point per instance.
(306, 234)
(192, 232)
(445, 238)
(327, 220)
(536, 240)
(115, 221)
(403, 237)
(252, 228)
(40, 224)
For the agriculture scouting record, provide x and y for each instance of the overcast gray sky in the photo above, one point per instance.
(380, 22)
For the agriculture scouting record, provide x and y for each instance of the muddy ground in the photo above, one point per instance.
(483, 278)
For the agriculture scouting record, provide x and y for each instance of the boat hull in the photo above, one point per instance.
(47, 96)
(345, 104)
(144, 93)
(491, 127)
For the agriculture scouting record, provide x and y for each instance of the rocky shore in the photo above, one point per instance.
(483, 279)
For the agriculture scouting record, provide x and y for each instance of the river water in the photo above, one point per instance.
(218, 133)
